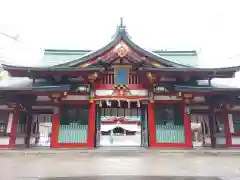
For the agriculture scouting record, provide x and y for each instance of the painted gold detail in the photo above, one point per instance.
(179, 94)
(122, 50)
(150, 74)
(157, 64)
(56, 95)
(85, 65)
(189, 96)
(91, 100)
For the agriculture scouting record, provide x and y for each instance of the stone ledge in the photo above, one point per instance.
(120, 152)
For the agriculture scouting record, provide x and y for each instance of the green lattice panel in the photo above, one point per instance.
(170, 134)
(73, 133)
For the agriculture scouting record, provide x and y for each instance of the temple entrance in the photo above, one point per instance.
(122, 126)
(200, 127)
(201, 130)
(39, 133)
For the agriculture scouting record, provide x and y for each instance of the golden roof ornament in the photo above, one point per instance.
(122, 50)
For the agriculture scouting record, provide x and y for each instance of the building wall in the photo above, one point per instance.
(87, 132)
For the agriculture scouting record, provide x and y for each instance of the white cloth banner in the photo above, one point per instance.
(108, 127)
(128, 127)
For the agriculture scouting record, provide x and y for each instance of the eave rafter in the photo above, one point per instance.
(140, 59)
(147, 80)
(109, 56)
(121, 48)
(119, 52)
(110, 59)
(41, 72)
(131, 60)
(194, 72)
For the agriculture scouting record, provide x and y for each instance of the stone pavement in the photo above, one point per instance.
(134, 178)
(121, 151)
(72, 165)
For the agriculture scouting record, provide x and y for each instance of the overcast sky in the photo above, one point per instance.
(211, 26)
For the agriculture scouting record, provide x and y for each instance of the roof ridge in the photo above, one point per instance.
(121, 35)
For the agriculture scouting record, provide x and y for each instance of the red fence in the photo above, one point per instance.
(109, 79)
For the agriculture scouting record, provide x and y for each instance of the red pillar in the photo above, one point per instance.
(212, 124)
(16, 116)
(91, 124)
(226, 127)
(55, 126)
(187, 126)
(151, 125)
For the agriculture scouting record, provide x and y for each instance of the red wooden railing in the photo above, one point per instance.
(133, 79)
(109, 79)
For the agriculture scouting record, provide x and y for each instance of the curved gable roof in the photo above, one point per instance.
(122, 35)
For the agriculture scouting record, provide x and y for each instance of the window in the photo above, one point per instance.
(120, 112)
(3, 122)
(22, 123)
(219, 123)
(121, 76)
(236, 122)
(168, 114)
(169, 123)
(74, 114)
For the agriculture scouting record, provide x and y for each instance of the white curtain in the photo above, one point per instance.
(128, 127)
(108, 127)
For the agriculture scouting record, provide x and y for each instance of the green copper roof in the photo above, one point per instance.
(188, 58)
(55, 56)
(59, 56)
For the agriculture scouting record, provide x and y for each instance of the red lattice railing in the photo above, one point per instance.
(109, 79)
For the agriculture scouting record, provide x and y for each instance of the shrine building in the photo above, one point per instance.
(121, 95)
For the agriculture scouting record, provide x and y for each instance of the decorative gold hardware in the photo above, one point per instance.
(122, 50)
(85, 65)
(55, 95)
(91, 100)
(157, 64)
(189, 96)
(179, 94)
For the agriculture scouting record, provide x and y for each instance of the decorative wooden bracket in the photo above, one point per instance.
(187, 97)
(56, 97)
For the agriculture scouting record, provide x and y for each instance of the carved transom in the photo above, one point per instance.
(122, 50)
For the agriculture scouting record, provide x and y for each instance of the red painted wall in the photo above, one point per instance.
(152, 128)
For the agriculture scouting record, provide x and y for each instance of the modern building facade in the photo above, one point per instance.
(156, 97)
